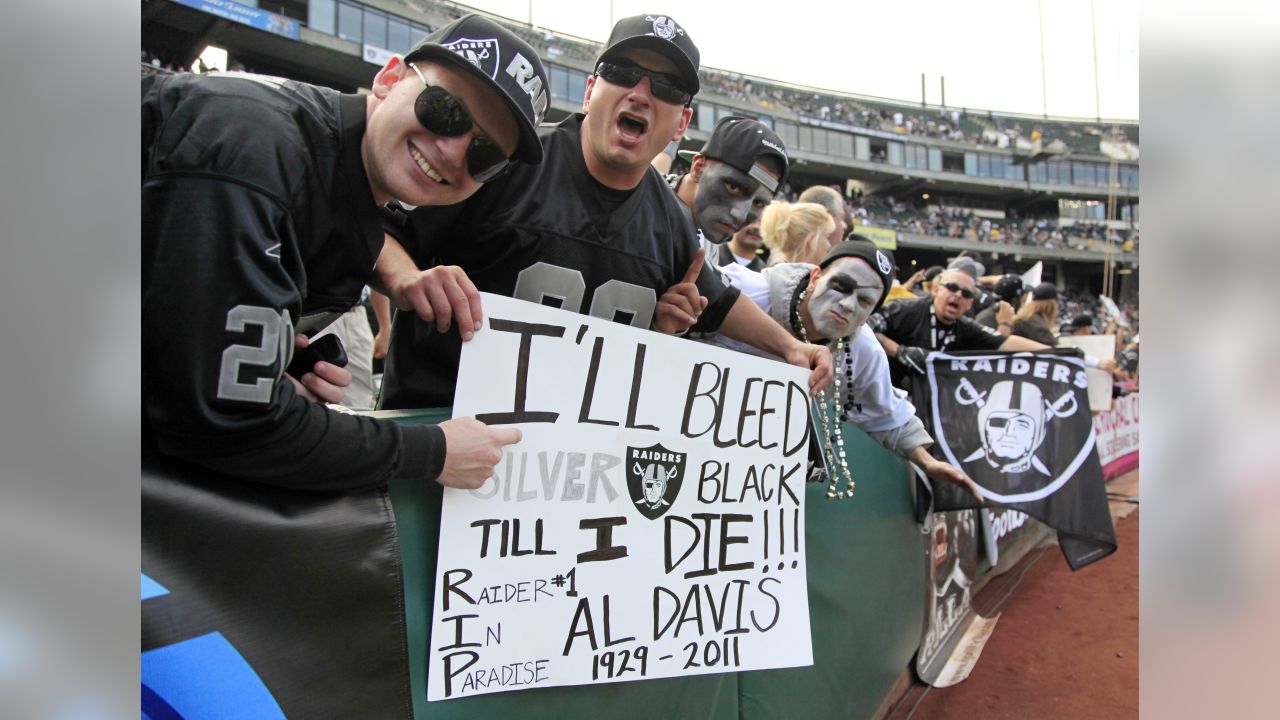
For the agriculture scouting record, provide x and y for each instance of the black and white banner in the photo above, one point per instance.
(1019, 425)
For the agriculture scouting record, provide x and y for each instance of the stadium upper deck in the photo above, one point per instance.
(1007, 167)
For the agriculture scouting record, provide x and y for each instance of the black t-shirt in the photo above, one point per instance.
(912, 322)
(544, 233)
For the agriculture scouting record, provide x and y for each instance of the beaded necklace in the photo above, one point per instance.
(828, 412)
(939, 341)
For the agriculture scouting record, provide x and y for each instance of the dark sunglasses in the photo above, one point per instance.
(965, 292)
(443, 114)
(663, 86)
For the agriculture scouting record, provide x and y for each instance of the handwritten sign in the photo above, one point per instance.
(649, 524)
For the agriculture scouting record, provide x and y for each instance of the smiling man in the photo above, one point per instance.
(732, 180)
(593, 229)
(259, 220)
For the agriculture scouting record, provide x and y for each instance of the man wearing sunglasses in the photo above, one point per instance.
(260, 220)
(910, 329)
(593, 229)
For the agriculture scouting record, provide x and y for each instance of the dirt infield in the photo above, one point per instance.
(1066, 645)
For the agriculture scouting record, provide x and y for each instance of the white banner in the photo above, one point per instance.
(1102, 347)
(649, 524)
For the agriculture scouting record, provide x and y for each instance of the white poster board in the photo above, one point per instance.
(1102, 347)
(650, 523)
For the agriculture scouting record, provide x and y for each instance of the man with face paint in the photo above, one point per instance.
(830, 304)
(731, 181)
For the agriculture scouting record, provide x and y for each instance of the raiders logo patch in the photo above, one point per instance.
(481, 53)
(664, 27)
(883, 261)
(654, 476)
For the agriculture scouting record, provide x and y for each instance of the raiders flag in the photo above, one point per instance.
(1020, 426)
(265, 602)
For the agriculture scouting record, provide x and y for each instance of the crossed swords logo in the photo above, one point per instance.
(1065, 406)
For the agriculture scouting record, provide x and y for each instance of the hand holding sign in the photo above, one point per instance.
(679, 307)
(441, 295)
(813, 357)
(473, 449)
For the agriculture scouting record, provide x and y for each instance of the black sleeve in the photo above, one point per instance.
(221, 276)
(889, 320)
(973, 336)
(419, 229)
(713, 317)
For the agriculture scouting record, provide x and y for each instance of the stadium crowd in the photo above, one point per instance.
(956, 222)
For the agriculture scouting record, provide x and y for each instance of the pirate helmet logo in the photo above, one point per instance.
(1011, 423)
(481, 53)
(1000, 434)
(654, 476)
(664, 27)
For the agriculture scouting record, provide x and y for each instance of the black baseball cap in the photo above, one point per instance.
(861, 246)
(1045, 291)
(496, 55)
(741, 142)
(1009, 287)
(660, 34)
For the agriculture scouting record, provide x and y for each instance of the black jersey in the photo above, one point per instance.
(257, 220)
(912, 322)
(549, 234)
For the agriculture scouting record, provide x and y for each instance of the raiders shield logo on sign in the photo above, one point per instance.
(654, 475)
(481, 53)
(1019, 426)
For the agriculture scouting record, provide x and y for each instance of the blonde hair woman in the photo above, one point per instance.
(796, 232)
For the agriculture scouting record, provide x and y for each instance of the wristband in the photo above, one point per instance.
(1091, 361)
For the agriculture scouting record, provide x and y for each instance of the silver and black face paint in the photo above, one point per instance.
(843, 297)
(727, 200)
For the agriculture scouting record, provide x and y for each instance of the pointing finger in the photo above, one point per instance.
(695, 267)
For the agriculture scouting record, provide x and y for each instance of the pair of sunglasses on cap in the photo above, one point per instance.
(663, 86)
(443, 114)
(965, 292)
